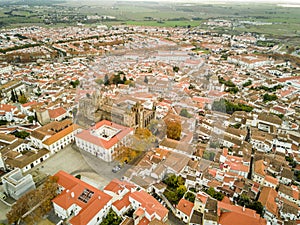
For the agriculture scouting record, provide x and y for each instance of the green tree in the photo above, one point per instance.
(99, 81)
(22, 99)
(180, 191)
(190, 197)
(30, 119)
(21, 134)
(111, 219)
(232, 90)
(106, 80)
(257, 206)
(74, 83)
(3, 122)
(217, 195)
(247, 83)
(185, 113)
(175, 69)
(267, 97)
(124, 79)
(227, 83)
(13, 96)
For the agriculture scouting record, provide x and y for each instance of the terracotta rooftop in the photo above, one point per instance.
(185, 206)
(89, 137)
(267, 198)
(74, 188)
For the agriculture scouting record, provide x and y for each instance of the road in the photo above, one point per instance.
(3, 209)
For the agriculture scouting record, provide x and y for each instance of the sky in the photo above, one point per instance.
(224, 1)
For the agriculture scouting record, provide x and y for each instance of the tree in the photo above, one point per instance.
(142, 140)
(175, 69)
(227, 83)
(224, 105)
(22, 99)
(174, 181)
(175, 188)
(30, 119)
(99, 81)
(111, 219)
(106, 80)
(244, 200)
(257, 206)
(74, 83)
(116, 79)
(209, 155)
(232, 90)
(190, 197)
(267, 97)
(21, 134)
(247, 83)
(124, 79)
(217, 195)
(185, 113)
(173, 129)
(3, 122)
(146, 80)
(13, 96)
(125, 154)
(34, 204)
(180, 191)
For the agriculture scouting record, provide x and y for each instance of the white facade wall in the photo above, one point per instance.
(60, 144)
(185, 218)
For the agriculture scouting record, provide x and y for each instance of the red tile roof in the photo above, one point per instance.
(267, 198)
(116, 185)
(271, 180)
(202, 197)
(230, 218)
(54, 113)
(185, 206)
(144, 221)
(87, 136)
(150, 204)
(233, 214)
(73, 189)
(7, 108)
(124, 202)
(61, 134)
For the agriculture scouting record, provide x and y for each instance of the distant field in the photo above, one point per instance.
(285, 20)
(158, 24)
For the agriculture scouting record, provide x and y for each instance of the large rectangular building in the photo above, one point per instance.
(103, 138)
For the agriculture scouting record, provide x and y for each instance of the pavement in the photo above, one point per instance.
(75, 161)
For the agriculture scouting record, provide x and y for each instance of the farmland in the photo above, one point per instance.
(272, 20)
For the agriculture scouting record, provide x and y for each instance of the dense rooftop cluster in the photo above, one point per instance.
(222, 111)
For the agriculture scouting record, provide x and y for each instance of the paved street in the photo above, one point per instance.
(3, 210)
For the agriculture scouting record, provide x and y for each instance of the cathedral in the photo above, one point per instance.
(125, 110)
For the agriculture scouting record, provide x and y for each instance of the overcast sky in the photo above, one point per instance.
(224, 1)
